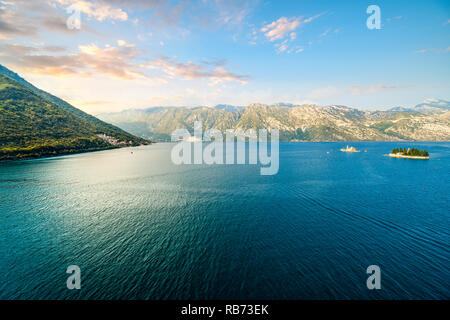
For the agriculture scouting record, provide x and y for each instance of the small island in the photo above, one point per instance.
(349, 149)
(410, 153)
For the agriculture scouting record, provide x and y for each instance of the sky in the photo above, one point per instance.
(111, 55)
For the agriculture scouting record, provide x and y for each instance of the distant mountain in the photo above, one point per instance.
(228, 107)
(295, 122)
(428, 106)
(284, 104)
(34, 123)
(402, 109)
(433, 105)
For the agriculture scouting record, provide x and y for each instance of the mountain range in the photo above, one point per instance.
(428, 121)
(34, 123)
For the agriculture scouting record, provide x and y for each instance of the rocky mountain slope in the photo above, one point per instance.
(429, 121)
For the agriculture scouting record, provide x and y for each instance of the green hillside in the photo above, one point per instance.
(93, 122)
(34, 123)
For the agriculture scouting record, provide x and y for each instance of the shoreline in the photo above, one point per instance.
(67, 153)
(392, 155)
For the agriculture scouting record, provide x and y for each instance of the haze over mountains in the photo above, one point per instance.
(428, 121)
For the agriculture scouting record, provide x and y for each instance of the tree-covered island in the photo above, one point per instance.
(411, 153)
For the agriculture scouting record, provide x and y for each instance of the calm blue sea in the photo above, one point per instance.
(140, 227)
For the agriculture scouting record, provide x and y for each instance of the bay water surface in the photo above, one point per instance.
(141, 227)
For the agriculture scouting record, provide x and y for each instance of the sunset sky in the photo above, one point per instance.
(138, 54)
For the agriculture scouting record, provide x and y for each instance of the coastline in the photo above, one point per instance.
(7, 158)
(392, 155)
